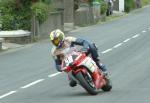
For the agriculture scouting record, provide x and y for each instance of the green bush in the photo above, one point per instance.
(145, 2)
(17, 14)
(6, 17)
(6, 21)
(41, 10)
(103, 6)
(129, 5)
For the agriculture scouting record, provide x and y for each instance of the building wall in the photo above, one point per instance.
(119, 5)
(54, 21)
(58, 3)
(116, 5)
(68, 9)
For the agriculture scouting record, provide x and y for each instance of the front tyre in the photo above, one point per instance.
(108, 85)
(86, 83)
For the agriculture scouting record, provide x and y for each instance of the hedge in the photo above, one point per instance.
(129, 5)
(17, 14)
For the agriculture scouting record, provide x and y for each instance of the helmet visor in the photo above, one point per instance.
(56, 41)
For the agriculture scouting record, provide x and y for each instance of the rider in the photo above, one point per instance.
(60, 42)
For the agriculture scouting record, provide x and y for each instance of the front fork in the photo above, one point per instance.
(71, 74)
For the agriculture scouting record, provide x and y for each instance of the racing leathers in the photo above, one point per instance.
(71, 41)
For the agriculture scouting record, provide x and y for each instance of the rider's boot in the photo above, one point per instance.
(72, 83)
(102, 68)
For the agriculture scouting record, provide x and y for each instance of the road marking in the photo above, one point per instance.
(149, 28)
(126, 40)
(118, 45)
(135, 36)
(143, 31)
(7, 94)
(106, 51)
(33, 83)
(52, 75)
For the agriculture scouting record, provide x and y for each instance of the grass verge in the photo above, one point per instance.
(145, 2)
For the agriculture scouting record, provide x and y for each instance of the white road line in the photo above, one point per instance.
(143, 31)
(106, 51)
(7, 94)
(149, 28)
(52, 75)
(118, 45)
(126, 40)
(135, 36)
(33, 83)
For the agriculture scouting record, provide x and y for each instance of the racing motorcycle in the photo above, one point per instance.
(81, 68)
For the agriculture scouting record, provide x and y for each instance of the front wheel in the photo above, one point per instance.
(86, 82)
(108, 85)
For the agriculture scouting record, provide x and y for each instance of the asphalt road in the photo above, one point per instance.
(27, 74)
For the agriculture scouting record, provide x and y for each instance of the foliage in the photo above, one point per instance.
(7, 18)
(40, 10)
(103, 7)
(129, 5)
(17, 14)
(145, 2)
(47, 1)
(90, 2)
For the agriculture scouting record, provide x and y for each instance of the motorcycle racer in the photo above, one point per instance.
(60, 42)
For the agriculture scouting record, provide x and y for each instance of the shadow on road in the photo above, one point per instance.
(76, 94)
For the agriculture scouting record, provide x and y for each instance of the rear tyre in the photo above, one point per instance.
(86, 83)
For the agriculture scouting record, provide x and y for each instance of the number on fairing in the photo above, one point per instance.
(68, 60)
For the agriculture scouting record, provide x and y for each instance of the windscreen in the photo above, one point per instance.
(70, 55)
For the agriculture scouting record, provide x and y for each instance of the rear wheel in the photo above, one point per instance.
(86, 82)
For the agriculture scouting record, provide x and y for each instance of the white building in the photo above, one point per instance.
(121, 5)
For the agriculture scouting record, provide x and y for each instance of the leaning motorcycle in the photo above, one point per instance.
(82, 69)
